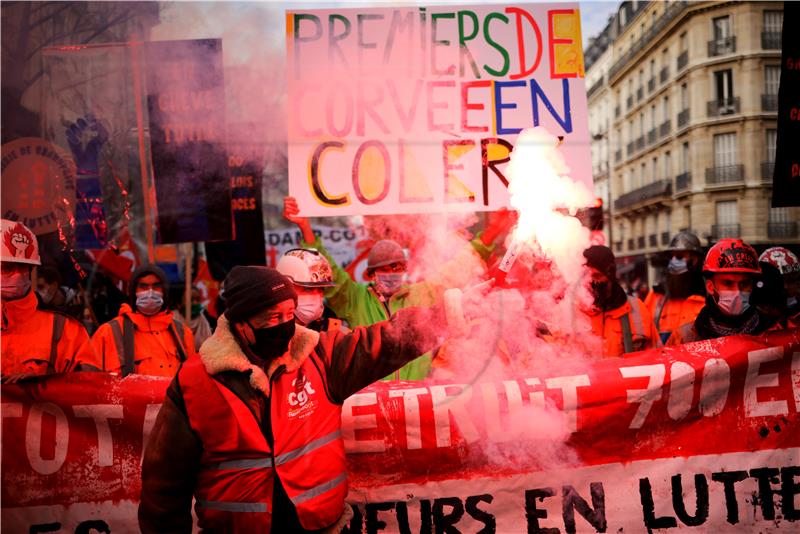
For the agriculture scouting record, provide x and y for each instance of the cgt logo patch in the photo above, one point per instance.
(300, 399)
(19, 242)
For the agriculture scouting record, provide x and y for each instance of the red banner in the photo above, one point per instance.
(701, 435)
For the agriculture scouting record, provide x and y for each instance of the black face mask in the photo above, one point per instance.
(272, 342)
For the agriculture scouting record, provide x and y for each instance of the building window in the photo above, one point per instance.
(684, 42)
(654, 170)
(723, 84)
(684, 96)
(687, 217)
(773, 21)
(779, 215)
(772, 142)
(685, 157)
(667, 164)
(722, 28)
(772, 79)
(726, 212)
(725, 150)
(665, 108)
(642, 172)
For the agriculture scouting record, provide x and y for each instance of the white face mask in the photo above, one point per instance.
(309, 308)
(149, 302)
(15, 285)
(733, 303)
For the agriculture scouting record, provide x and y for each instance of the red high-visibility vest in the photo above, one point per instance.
(235, 483)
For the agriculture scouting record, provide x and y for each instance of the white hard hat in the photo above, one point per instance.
(306, 267)
(19, 245)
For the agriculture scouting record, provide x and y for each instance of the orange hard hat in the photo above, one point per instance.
(731, 256)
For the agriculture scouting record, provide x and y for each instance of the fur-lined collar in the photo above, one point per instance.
(221, 352)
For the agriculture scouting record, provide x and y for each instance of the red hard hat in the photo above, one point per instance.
(732, 256)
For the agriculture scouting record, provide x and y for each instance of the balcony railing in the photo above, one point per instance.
(639, 94)
(641, 43)
(724, 106)
(771, 40)
(617, 112)
(618, 155)
(769, 102)
(629, 148)
(683, 118)
(629, 102)
(640, 143)
(720, 231)
(767, 171)
(651, 84)
(652, 240)
(683, 60)
(658, 189)
(665, 238)
(683, 182)
(782, 229)
(727, 174)
(651, 136)
(663, 75)
(630, 243)
(640, 241)
(718, 47)
(665, 128)
(593, 89)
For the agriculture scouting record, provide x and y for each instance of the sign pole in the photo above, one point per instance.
(138, 95)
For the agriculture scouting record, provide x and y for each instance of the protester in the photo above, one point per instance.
(387, 292)
(789, 266)
(198, 323)
(144, 338)
(730, 270)
(34, 341)
(252, 427)
(311, 274)
(56, 297)
(623, 322)
(769, 295)
(685, 291)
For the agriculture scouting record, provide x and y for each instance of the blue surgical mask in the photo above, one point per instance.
(677, 266)
(791, 302)
(149, 302)
(387, 284)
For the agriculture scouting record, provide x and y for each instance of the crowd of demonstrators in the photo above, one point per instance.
(363, 304)
(786, 303)
(34, 341)
(200, 321)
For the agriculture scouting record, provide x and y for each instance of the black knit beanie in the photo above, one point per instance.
(602, 259)
(250, 289)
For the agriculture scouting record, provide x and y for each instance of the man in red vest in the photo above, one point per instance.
(252, 427)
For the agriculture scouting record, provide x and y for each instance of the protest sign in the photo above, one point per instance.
(409, 110)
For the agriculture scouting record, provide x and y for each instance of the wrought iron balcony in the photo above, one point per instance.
(727, 174)
(683, 118)
(651, 84)
(629, 102)
(724, 106)
(665, 238)
(767, 171)
(639, 94)
(651, 136)
(663, 75)
(654, 191)
(640, 143)
(629, 148)
(718, 47)
(782, 229)
(720, 231)
(683, 60)
(769, 102)
(665, 128)
(683, 182)
(771, 40)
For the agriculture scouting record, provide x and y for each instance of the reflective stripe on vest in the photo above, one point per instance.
(305, 449)
(318, 490)
(225, 506)
(628, 333)
(247, 463)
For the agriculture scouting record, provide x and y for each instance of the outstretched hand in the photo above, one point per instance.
(291, 212)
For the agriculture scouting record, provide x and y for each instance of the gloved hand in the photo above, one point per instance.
(86, 138)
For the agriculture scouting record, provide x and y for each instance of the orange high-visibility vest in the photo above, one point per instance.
(235, 484)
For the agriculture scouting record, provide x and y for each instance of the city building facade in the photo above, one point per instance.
(693, 89)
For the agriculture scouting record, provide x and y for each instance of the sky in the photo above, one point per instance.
(594, 16)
